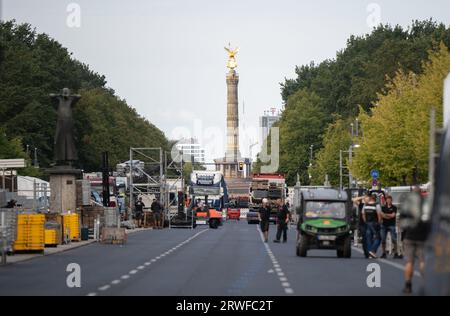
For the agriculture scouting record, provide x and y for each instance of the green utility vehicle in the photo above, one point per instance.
(325, 221)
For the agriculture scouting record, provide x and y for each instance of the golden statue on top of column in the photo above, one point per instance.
(231, 63)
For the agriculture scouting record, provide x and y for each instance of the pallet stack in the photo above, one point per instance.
(30, 232)
(51, 238)
(71, 226)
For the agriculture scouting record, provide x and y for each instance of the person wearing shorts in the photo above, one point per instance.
(414, 246)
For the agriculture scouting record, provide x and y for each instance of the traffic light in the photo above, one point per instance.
(241, 166)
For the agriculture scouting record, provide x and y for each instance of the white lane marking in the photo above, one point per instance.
(283, 279)
(392, 264)
(289, 291)
(104, 287)
(126, 276)
(277, 267)
(270, 271)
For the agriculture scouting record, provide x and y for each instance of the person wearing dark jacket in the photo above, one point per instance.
(283, 216)
(264, 217)
(157, 214)
(139, 211)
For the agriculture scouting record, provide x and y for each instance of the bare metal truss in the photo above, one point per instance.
(154, 172)
(146, 177)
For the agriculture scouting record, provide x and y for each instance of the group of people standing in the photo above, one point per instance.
(375, 222)
(283, 218)
(157, 211)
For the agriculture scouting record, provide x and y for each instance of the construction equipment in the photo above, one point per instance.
(271, 186)
(209, 196)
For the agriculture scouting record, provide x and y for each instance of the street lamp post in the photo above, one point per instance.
(36, 165)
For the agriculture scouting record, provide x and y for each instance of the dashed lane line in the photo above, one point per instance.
(146, 264)
(283, 279)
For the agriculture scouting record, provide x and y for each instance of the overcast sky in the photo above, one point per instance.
(166, 57)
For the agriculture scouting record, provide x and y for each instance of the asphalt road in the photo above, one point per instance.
(231, 261)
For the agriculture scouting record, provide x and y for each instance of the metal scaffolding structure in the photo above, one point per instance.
(173, 183)
(146, 174)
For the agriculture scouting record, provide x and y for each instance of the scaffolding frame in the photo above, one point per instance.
(175, 164)
(152, 180)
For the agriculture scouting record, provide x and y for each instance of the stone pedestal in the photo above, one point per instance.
(63, 196)
(232, 169)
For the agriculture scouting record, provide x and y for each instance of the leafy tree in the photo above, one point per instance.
(300, 126)
(396, 133)
(34, 65)
(352, 83)
(337, 137)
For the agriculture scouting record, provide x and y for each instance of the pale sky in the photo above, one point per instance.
(166, 57)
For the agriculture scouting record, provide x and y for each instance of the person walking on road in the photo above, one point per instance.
(139, 211)
(283, 216)
(371, 214)
(264, 217)
(414, 242)
(359, 202)
(389, 214)
(157, 214)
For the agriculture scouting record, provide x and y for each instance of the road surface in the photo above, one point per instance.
(230, 261)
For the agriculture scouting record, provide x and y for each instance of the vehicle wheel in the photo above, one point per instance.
(238, 218)
(302, 246)
(213, 223)
(347, 251)
(340, 253)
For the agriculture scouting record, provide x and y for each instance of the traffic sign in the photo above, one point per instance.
(374, 174)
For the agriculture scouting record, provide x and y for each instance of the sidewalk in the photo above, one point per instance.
(60, 248)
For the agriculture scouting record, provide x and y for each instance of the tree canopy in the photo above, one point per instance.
(34, 65)
(396, 132)
(346, 87)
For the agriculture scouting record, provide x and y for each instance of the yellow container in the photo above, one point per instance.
(71, 226)
(30, 232)
(51, 237)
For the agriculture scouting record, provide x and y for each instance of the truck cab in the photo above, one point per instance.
(208, 197)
